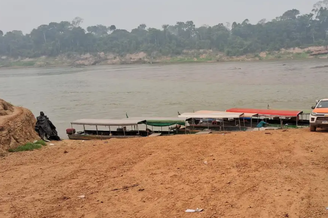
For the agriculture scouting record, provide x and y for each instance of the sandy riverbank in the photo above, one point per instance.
(187, 56)
(247, 174)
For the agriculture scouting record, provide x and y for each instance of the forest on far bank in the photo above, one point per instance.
(291, 29)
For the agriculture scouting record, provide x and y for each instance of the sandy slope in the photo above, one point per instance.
(16, 126)
(253, 174)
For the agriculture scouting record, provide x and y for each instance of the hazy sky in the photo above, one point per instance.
(127, 14)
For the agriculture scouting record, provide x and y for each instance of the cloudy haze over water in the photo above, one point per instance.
(127, 14)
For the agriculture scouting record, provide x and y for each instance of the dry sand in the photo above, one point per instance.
(248, 174)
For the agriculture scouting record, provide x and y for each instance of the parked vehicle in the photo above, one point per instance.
(319, 115)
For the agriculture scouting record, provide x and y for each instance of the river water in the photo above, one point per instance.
(67, 94)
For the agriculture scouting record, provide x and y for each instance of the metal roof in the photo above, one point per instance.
(267, 112)
(161, 121)
(220, 115)
(157, 118)
(250, 115)
(215, 112)
(207, 112)
(108, 122)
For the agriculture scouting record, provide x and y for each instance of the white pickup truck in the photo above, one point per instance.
(319, 115)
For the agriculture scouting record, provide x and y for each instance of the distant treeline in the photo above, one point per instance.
(288, 30)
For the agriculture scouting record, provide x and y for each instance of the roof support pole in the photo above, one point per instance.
(239, 124)
(185, 127)
(97, 129)
(281, 123)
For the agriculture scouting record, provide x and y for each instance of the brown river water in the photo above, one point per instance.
(67, 94)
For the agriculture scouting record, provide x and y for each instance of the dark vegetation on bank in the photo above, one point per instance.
(289, 30)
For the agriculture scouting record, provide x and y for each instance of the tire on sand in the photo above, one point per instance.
(313, 128)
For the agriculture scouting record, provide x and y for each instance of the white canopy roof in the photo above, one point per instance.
(219, 115)
(208, 112)
(107, 122)
(157, 118)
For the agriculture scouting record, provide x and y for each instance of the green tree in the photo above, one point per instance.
(77, 22)
(142, 26)
(99, 30)
(290, 14)
(112, 28)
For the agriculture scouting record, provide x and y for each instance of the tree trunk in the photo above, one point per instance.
(44, 38)
(313, 37)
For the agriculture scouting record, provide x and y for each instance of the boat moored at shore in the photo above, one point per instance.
(199, 122)
(106, 129)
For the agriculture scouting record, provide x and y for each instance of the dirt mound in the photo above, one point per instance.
(249, 174)
(5, 108)
(16, 126)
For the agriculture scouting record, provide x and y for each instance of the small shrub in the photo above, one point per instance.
(29, 146)
(41, 142)
(301, 55)
(23, 64)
